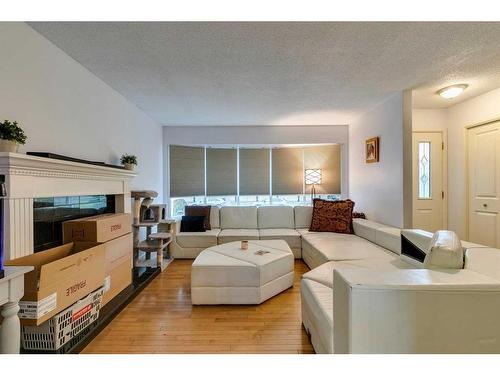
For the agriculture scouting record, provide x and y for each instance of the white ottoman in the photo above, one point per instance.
(227, 275)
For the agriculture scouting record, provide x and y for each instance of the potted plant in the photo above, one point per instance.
(11, 136)
(129, 161)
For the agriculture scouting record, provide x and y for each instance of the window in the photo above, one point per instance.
(424, 168)
(254, 200)
(222, 200)
(177, 204)
(250, 176)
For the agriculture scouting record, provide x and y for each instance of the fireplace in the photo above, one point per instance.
(49, 214)
(43, 192)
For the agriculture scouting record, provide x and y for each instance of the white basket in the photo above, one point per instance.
(61, 328)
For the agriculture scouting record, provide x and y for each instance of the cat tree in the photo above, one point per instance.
(148, 215)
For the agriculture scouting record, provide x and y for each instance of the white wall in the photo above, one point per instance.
(65, 109)
(377, 188)
(257, 135)
(430, 119)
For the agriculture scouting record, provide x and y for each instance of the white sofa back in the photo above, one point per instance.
(302, 216)
(236, 217)
(269, 217)
(381, 234)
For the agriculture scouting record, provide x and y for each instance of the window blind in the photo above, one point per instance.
(254, 171)
(287, 170)
(221, 171)
(326, 158)
(187, 171)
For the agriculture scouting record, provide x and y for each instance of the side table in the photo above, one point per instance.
(11, 291)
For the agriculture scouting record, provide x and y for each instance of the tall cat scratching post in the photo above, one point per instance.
(147, 215)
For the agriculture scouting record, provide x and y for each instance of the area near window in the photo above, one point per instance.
(246, 175)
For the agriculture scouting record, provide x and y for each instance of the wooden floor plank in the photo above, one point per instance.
(161, 319)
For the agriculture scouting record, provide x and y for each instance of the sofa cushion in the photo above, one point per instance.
(303, 215)
(197, 239)
(332, 216)
(483, 260)
(323, 274)
(366, 228)
(317, 312)
(291, 236)
(275, 217)
(238, 217)
(335, 246)
(229, 235)
(199, 211)
(390, 238)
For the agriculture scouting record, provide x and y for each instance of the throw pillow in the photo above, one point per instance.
(192, 224)
(199, 211)
(332, 216)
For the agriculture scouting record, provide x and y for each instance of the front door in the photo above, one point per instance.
(428, 195)
(484, 184)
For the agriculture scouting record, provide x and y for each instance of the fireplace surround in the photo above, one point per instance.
(28, 179)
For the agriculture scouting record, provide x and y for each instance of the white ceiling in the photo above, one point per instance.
(199, 73)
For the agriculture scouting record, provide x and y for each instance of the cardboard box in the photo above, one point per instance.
(118, 265)
(117, 279)
(62, 276)
(100, 228)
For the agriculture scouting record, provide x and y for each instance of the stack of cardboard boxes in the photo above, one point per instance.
(97, 251)
(114, 232)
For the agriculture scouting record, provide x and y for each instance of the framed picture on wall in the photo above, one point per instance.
(371, 150)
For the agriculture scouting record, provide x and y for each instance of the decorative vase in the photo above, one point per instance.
(8, 146)
(129, 166)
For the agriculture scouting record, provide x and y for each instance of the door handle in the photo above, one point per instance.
(485, 205)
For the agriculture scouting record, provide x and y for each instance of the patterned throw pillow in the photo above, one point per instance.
(199, 211)
(332, 216)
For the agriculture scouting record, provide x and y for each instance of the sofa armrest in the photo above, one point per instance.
(175, 228)
(415, 311)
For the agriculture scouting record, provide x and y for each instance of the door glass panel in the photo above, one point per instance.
(424, 168)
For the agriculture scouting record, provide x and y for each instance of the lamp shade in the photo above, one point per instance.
(313, 176)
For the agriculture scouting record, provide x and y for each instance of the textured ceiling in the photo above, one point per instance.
(199, 73)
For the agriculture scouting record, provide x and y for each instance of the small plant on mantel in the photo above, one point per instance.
(11, 136)
(129, 161)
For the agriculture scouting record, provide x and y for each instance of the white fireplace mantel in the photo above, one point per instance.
(28, 177)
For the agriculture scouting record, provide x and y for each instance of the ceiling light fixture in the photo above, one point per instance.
(453, 91)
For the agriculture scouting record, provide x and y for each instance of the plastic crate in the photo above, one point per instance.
(58, 330)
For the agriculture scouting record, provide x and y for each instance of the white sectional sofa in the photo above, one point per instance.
(245, 223)
(361, 297)
(380, 303)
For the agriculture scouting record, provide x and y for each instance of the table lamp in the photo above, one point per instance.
(313, 177)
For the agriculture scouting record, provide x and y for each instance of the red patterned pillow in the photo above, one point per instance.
(332, 216)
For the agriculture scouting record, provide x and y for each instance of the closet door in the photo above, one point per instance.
(484, 184)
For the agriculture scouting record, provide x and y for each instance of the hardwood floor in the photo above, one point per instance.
(161, 319)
